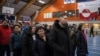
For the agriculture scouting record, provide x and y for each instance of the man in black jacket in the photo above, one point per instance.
(59, 37)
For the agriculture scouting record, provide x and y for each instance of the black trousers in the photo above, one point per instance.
(81, 54)
(73, 50)
(91, 33)
(3, 49)
(17, 52)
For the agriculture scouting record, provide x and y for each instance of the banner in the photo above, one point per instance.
(84, 0)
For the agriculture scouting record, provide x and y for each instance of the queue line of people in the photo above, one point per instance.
(56, 40)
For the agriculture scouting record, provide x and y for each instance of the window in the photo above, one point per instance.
(47, 15)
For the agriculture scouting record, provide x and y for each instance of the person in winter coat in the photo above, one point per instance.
(82, 49)
(42, 45)
(59, 38)
(5, 32)
(92, 31)
(47, 29)
(29, 42)
(73, 38)
(16, 41)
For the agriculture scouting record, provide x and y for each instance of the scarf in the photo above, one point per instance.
(84, 36)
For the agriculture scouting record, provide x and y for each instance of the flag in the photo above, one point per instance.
(88, 10)
(88, 14)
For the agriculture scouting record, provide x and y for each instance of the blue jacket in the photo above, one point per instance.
(24, 29)
(15, 41)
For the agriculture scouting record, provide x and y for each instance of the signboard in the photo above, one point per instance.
(69, 1)
(25, 19)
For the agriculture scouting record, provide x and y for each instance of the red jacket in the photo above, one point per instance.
(5, 35)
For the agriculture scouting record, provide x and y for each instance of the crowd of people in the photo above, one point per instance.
(59, 39)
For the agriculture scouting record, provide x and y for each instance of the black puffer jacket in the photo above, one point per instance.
(35, 47)
(59, 40)
(42, 47)
(28, 45)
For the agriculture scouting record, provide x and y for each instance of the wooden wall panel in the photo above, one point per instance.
(57, 6)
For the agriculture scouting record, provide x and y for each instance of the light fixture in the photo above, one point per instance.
(41, 1)
(70, 13)
(62, 6)
(65, 11)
